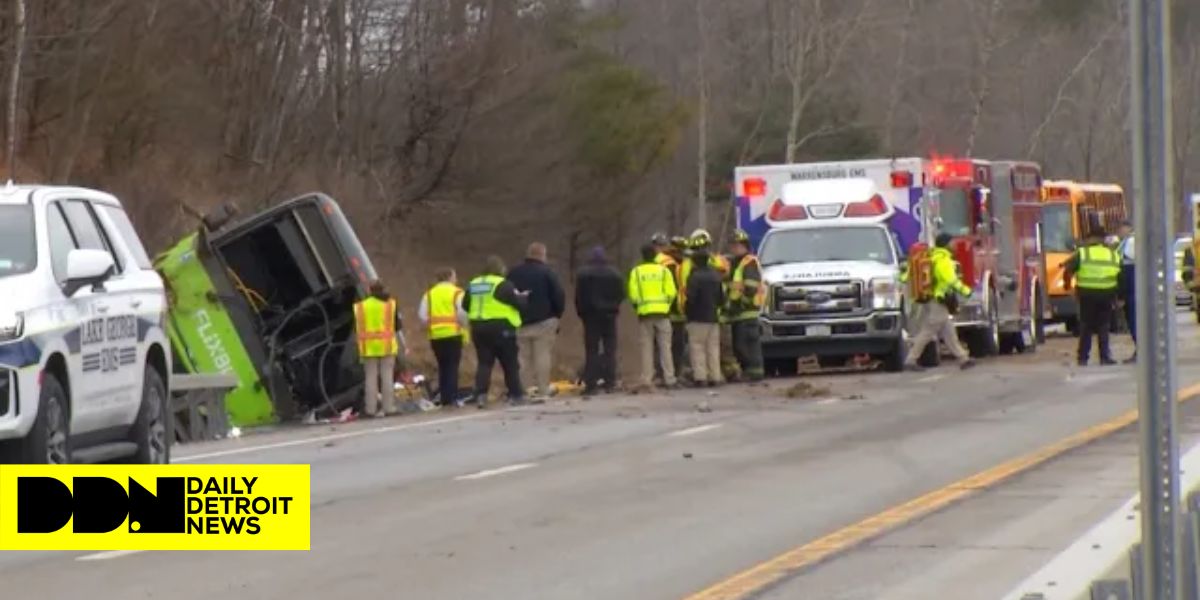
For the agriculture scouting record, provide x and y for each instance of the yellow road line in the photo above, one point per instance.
(763, 575)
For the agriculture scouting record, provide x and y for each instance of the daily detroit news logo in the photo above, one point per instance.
(155, 507)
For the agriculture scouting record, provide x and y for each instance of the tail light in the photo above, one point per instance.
(902, 179)
(871, 208)
(783, 212)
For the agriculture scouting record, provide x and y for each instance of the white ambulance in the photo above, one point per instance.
(831, 238)
(84, 360)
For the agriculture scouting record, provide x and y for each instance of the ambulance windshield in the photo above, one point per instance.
(826, 245)
(954, 208)
(18, 253)
(1057, 235)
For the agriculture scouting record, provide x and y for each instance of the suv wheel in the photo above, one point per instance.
(150, 431)
(49, 441)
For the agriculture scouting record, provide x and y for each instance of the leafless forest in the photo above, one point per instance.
(453, 128)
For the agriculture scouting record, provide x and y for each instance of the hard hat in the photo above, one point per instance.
(659, 239)
(741, 237)
(679, 242)
(700, 237)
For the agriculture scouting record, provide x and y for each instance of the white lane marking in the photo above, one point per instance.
(694, 430)
(494, 472)
(828, 401)
(325, 438)
(111, 554)
(931, 378)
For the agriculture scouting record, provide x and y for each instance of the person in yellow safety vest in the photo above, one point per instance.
(939, 309)
(492, 304)
(376, 323)
(442, 312)
(1097, 269)
(652, 291)
(746, 295)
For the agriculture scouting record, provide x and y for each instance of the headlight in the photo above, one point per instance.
(885, 293)
(12, 326)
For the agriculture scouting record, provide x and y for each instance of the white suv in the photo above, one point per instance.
(84, 360)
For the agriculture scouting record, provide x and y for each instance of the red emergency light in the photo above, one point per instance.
(754, 187)
(902, 179)
(783, 212)
(874, 207)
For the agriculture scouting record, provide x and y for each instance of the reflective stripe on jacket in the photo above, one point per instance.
(375, 326)
(945, 274)
(746, 295)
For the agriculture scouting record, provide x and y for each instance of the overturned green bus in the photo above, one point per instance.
(269, 299)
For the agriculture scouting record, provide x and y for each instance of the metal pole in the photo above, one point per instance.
(1154, 196)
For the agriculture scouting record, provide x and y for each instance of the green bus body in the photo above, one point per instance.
(269, 301)
(204, 337)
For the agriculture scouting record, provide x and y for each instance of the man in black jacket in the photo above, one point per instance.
(539, 317)
(599, 292)
(704, 299)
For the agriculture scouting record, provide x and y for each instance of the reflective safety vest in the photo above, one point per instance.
(945, 274)
(715, 261)
(741, 305)
(652, 289)
(443, 301)
(375, 326)
(485, 306)
(1099, 268)
(673, 265)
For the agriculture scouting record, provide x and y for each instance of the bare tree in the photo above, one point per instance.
(14, 84)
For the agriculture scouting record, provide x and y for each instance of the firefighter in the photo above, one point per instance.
(746, 295)
(1097, 269)
(652, 291)
(376, 322)
(701, 244)
(442, 311)
(493, 306)
(939, 305)
(679, 338)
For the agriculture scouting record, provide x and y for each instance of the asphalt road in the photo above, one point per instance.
(647, 497)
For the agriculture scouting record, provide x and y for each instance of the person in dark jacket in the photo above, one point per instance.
(702, 306)
(539, 317)
(599, 292)
(493, 305)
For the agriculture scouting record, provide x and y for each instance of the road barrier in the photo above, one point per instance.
(1105, 563)
(198, 406)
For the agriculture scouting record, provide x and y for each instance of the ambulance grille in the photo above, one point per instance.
(825, 298)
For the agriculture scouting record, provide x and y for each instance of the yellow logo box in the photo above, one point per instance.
(155, 507)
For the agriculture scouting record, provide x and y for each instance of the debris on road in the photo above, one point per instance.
(804, 389)
(687, 455)
(704, 407)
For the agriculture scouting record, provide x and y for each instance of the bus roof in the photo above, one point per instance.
(1083, 186)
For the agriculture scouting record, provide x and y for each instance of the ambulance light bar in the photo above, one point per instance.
(902, 179)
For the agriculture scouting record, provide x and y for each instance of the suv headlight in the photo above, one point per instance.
(12, 326)
(885, 293)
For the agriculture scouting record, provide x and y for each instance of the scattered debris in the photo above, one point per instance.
(330, 444)
(804, 389)
(854, 397)
(704, 407)
(687, 455)
(234, 433)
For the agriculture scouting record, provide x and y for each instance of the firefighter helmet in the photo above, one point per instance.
(659, 239)
(741, 237)
(701, 238)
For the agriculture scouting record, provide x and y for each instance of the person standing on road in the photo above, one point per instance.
(493, 305)
(442, 312)
(664, 257)
(746, 296)
(599, 292)
(376, 324)
(540, 316)
(1127, 286)
(705, 299)
(940, 306)
(679, 343)
(1097, 269)
(652, 290)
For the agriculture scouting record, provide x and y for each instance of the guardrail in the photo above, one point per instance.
(1105, 563)
(198, 406)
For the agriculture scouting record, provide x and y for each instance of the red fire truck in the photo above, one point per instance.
(992, 209)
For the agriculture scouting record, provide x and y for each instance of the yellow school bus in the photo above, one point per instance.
(1072, 210)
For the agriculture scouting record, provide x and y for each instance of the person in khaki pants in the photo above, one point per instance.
(539, 317)
(651, 291)
(376, 322)
(704, 298)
